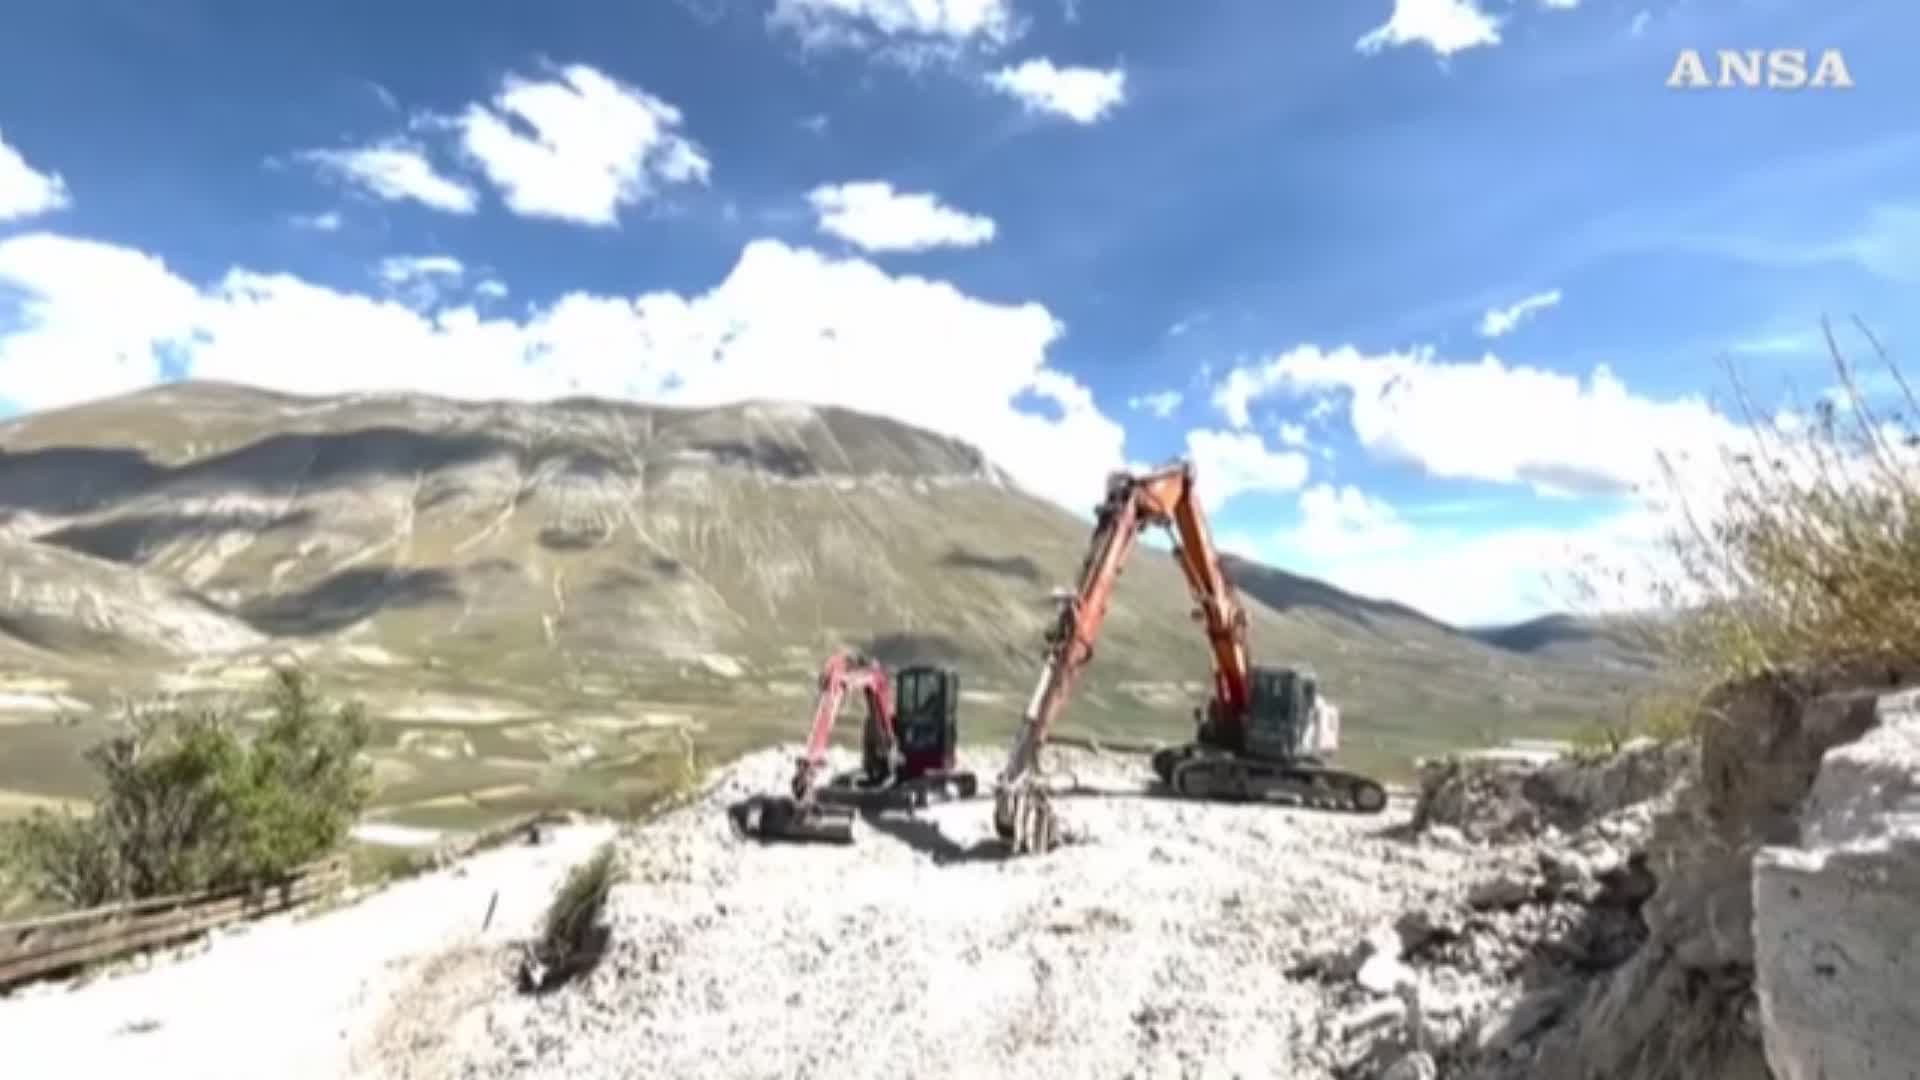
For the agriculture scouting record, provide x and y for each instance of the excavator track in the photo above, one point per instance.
(913, 793)
(1227, 777)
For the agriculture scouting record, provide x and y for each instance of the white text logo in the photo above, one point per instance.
(1771, 69)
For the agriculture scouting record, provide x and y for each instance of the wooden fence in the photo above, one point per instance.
(36, 948)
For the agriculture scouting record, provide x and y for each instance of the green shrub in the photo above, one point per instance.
(191, 799)
(1600, 740)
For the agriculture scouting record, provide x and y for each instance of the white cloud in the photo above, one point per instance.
(1639, 24)
(1160, 403)
(1081, 94)
(493, 290)
(68, 351)
(926, 27)
(1232, 463)
(384, 96)
(1490, 421)
(1294, 435)
(1560, 5)
(873, 216)
(1341, 521)
(590, 146)
(26, 192)
(1234, 394)
(398, 269)
(1501, 321)
(396, 170)
(1445, 26)
(1465, 578)
(785, 323)
(330, 221)
(420, 280)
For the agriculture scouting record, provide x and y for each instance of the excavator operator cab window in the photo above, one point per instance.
(925, 704)
(1283, 698)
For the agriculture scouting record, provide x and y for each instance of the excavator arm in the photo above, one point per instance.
(1163, 497)
(1219, 607)
(844, 672)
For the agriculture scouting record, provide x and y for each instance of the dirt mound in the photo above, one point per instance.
(1506, 796)
(1164, 942)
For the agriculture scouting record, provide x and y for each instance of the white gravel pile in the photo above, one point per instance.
(1170, 939)
(1160, 944)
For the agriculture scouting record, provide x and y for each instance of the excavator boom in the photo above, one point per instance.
(801, 816)
(844, 672)
(1163, 497)
(1223, 761)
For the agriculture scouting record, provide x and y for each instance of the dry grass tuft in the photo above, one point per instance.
(573, 936)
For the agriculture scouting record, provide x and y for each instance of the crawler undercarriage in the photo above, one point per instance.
(1198, 772)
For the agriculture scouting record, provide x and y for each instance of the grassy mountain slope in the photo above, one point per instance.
(1594, 642)
(539, 597)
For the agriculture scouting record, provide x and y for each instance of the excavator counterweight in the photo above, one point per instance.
(1264, 732)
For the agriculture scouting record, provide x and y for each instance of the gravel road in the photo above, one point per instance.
(284, 998)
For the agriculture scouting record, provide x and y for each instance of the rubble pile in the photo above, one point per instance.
(1552, 895)
(1161, 942)
(1656, 913)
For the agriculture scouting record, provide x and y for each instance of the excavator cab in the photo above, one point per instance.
(919, 761)
(926, 718)
(1280, 712)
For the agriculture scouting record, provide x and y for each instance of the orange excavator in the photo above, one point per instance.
(1264, 732)
(908, 750)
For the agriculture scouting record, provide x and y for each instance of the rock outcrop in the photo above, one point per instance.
(1760, 922)
(1837, 915)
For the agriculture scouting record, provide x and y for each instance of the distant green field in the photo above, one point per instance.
(468, 775)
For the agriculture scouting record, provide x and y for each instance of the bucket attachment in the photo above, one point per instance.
(779, 818)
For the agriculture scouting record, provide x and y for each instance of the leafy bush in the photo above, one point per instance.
(1810, 558)
(572, 935)
(192, 800)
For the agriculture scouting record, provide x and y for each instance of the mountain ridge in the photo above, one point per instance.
(575, 571)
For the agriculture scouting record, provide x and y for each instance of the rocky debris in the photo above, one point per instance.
(1611, 928)
(1418, 1065)
(1498, 796)
(1161, 945)
(1552, 894)
(1836, 915)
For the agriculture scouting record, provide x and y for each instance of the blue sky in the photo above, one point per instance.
(1430, 278)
